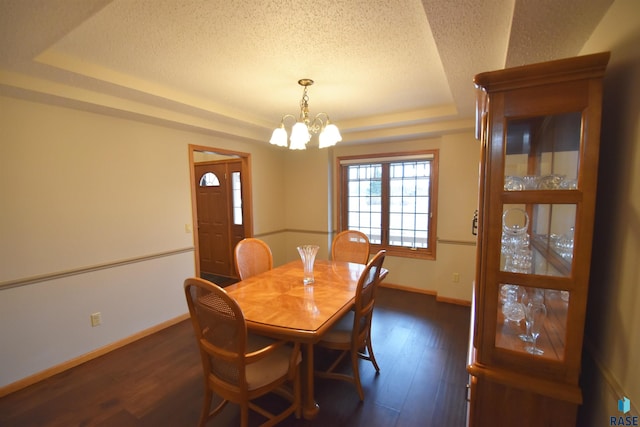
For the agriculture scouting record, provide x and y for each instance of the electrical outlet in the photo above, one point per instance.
(96, 319)
(456, 277)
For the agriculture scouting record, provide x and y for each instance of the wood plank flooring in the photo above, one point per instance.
(420, 345)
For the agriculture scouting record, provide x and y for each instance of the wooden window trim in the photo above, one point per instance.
(433, 155)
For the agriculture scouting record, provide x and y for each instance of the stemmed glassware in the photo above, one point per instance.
(530, 296)
(535, 314)
(526, 337)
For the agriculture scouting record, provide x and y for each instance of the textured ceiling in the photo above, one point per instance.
(384, 69)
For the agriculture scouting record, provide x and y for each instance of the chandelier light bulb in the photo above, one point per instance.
(299, 136)
(301, 131)
(330, 136)
(279, 136)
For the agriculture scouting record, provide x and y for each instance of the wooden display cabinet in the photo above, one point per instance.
(539, 128)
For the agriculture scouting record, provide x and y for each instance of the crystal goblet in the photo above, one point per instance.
(535, 313)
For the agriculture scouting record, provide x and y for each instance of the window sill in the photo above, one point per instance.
(426, 254)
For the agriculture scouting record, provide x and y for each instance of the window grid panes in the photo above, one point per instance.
(409, 204)
(365, 200)
(391, 202)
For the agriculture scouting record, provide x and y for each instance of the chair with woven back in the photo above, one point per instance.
(350, 246)
(252, 256)
(352, 333)
(239, 367)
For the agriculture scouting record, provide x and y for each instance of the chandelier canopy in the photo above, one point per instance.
(304, 126)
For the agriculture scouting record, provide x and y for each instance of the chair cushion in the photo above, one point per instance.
(270, 368)
(341, 331)
(256, 342)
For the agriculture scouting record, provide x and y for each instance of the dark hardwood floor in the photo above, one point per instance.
(222, 281)
(420, 345)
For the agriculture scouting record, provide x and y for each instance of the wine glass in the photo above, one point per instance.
(530, 296)
(535, 314)
(526, 337)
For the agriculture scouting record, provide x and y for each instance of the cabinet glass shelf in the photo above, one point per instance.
(554, 142)
(538, 239)
(511, 333)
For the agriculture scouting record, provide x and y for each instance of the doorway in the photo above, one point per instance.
(221, 206)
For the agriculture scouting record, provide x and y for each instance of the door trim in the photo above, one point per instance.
(247, 198)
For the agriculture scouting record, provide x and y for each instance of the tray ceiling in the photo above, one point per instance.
(383, 70)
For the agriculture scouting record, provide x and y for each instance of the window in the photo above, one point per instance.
(392, 199)
(236, 190)
(209, 179)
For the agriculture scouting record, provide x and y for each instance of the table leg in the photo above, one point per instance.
(310, 408)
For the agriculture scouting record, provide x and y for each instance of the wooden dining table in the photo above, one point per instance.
(276, 303)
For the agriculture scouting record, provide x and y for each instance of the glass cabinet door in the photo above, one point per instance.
(538, 238)
(539, 216)
(542, 152)
(532, 321)
(541, 158)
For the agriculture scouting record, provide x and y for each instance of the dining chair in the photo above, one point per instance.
(352, 333)
(350, 246)
(252, 256)
(239, 367)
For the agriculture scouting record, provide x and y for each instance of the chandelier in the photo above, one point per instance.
(303, 127)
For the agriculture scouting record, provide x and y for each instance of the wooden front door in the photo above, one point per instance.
(217, 229)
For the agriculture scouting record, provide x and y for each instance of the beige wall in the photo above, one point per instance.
(457, 200)
(93, 220)
(611, 368)
(80, 189)
(307, 201)
(311, 200)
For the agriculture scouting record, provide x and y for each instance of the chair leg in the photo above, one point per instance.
(297, 393)
(244, 415)
(371, 357)
(206, 405)
(356, 374)
(208, 413)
